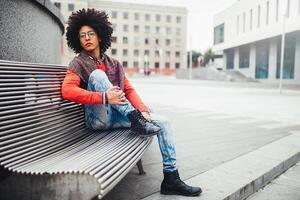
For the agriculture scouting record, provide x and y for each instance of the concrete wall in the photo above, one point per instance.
(252, 61)
(31, 31)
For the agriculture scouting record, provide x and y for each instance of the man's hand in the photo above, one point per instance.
(147, 116)
(115, 96)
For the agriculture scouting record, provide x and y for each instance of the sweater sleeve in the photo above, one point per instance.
(72, 91)
(133, 97)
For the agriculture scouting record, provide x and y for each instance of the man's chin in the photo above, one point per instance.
(89, 49)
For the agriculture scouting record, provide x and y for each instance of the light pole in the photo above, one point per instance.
(282, 52)
(190, 63)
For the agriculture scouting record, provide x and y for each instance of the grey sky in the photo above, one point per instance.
(200, 18)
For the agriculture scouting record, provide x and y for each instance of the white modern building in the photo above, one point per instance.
(145, 36)
(249, 35)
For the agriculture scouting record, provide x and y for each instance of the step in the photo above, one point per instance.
(243, 176)
(285, 187)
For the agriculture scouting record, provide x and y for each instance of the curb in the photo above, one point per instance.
(264, 180)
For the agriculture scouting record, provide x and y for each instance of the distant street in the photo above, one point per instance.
(261, 102)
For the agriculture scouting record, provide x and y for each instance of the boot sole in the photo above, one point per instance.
(178, 193)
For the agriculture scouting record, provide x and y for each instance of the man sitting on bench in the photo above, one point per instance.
(110, 101)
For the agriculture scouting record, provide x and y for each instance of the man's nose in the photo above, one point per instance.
(87, 37)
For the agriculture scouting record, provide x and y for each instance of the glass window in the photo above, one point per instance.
(125, 15)
(136, 52)
(114, 14)
(251, 19)
(114, 51)
(156, 65)
(157, 29)
(288, 8)
(136, 28)
(58, 5)
(147, 17)
(136, 64)
(168, 30)
(157, 53)
(237, 24)
(125, 52)
(177, 65)
(262, 60)
(168, 42)
(114, 39)
(277, 10)
(147, 29)
(267, 12)
(229, 58)
(114, 26)
(157, 18)
(168, 53)
(156, 41)
(177, 54)
(146, 52)
(167, 65)
(136, 16)
(136, 41)
(178, 19)
(219, 34)
(146, 41)
(244, 52)
(71, 7)
(244, 22)
(258, 16)
(125, 40)
(178, 31)
(169, 18)
(125, 28)
(289, 57)
(125, 64)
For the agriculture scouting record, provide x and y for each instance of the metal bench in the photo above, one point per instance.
(46, 152)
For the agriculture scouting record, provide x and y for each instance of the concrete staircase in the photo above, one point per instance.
(211, 73)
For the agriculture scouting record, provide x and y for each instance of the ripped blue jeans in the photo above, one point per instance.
(101, 117)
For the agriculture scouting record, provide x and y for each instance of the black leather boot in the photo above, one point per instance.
(140, 125)
(172, 184)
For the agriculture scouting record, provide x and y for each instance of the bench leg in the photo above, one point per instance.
(140, 167)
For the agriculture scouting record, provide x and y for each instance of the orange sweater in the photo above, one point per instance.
(72, 91)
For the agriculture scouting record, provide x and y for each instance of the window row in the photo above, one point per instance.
(71, 6)
(264, 8)
(262, 55)
(157, 65)
(146, 16)
(137, 40)
(136, 53)
(146, 29)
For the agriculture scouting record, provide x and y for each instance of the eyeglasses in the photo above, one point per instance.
(90, 34)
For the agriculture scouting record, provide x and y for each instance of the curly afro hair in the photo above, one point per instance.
(98, 20)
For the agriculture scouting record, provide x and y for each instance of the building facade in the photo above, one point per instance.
(145, 36)
(249, 36)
